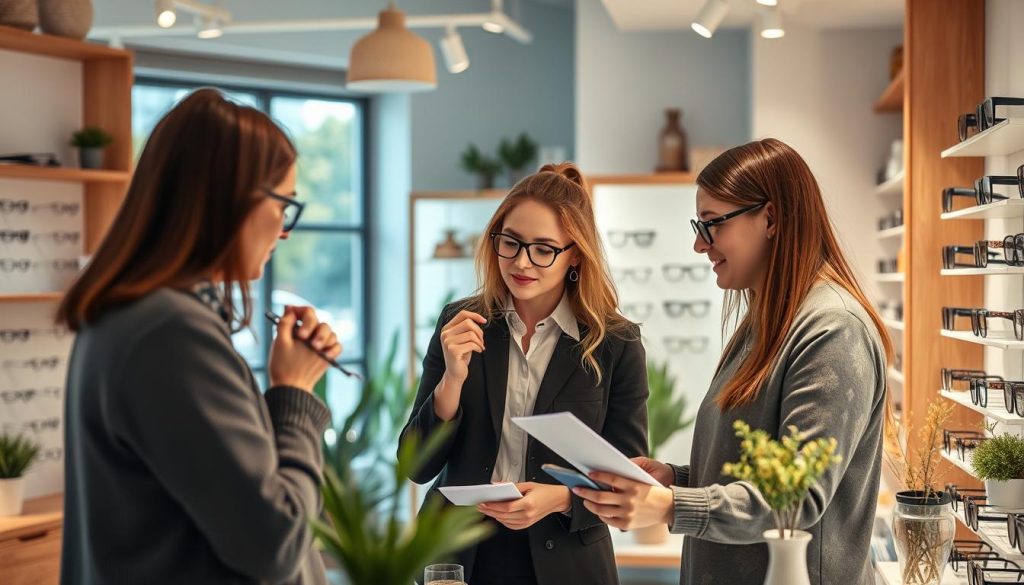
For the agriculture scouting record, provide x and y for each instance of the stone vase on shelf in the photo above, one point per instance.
(66, 18)
(23, 14)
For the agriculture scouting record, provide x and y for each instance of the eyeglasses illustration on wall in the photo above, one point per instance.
(619, 239)
(27, 395)
(677, 309)
(983, 192)
(37, 364)
(984, 116)
(639, 275)
(23, 264)
(14, 236)
(13, 335)
(979, 320)
(58, 237)
(676, 344)
(638, 311)
(58, 208)
(12, 206)
(53, 454)
(676, 272)
(36, 426)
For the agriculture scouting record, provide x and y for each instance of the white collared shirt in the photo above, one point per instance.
(525, 372)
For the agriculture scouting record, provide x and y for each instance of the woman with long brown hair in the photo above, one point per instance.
(543, 335)
(178, 469)
(809, 351)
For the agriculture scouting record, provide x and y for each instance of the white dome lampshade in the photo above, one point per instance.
(391, 59)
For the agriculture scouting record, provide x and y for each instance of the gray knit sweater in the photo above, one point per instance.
(178, 469)
(830, 382)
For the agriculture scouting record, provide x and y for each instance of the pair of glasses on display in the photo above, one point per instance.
(676, 272)
(27, 395)
(1013, 393)
(984, 116)
(977, 511)
(961, 441)
(983, 192)
(23, 264)
(703, 227)
(40, 159)
(54, 454)
(23, 236)
(13, 335)
(22, 206)
(540, 254)
(1011, 245)
(979, 320)
(37, 426)
(697, 309)
(639, 275)
(968, 550)
(37, 364)
(642, 239)
(993, 571)
(951, 253)
(679, 344)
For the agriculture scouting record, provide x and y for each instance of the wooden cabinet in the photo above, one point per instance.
(30, 544)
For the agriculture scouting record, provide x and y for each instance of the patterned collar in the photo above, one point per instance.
(211, 296)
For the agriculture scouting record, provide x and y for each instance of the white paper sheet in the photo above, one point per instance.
(471, 495)
(578, 444)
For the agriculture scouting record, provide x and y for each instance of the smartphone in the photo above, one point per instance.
(572, 478)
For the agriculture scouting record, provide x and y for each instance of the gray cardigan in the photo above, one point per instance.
(178, 469)
(829, 381)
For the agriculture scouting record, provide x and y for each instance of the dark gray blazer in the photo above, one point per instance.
(178, 469)
(566, 549)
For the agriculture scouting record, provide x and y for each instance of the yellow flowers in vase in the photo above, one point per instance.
(782, 471)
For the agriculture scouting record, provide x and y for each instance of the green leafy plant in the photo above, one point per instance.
(783, 471)
(1000, 458)
(91, 137)
(364, 534)
(16, 455)
(477, 163)
(665, 412)
(518, 153)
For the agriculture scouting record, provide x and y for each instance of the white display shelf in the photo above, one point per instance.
(893, 324)
(1007, 209)
(999, 339)
(995, 535)
(990, 271)
(890, 277)
(1004, 138)
(891, 188)
(961, 465)
(890, 574)
(895, 375)
(996, 409)
(891, 233)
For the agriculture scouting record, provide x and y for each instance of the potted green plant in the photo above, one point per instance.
(783, 471)
(999, 462)
(484, 167)
(91, 142)
(666, 416)
(516, 155)
(16, 456)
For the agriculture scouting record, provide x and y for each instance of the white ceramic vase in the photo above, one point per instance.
(12, 496)
(787, 558)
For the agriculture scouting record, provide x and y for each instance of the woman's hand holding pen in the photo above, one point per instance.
(460, 339)
(291, 362)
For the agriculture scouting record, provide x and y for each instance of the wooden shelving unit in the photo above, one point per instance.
(892, 98)
(30, 543)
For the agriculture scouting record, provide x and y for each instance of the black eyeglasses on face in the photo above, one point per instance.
(540, 255)
(984, 116)
(703, 228)
(291, 208)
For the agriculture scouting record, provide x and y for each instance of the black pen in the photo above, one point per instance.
(276, 319)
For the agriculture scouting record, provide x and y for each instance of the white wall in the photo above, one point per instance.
(625, 80)
(814, 90)
(1004, 76)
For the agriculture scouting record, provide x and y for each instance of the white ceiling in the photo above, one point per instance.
(640, 15)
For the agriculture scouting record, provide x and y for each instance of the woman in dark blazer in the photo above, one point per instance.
(543, 335)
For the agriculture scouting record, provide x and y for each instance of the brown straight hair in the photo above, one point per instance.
(593, 298)
(803, 252)
(196, 181)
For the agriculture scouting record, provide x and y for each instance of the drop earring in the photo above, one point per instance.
(574, 276)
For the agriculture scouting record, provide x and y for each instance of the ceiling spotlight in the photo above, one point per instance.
(209, 27)
(771, 25)
(709, 18)
(165, 14)
(495, 21)
(768, 2)
(455, 56)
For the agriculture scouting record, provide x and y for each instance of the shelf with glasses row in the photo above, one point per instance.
(995, 536)
(958, 463)
(891, 233)
(998, 339)
(996, 409)
(63, 174)
(990, 271)
(1004, 138)
(890, 574)
(893, 187)
(1006, 209)
(890, 277)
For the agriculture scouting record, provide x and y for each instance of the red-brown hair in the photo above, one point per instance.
(804, 251)
(196, 181)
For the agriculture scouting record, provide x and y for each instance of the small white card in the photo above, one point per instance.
(471, 495)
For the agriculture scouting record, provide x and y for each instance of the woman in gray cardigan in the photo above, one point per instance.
(179, 470)
(808, 351)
